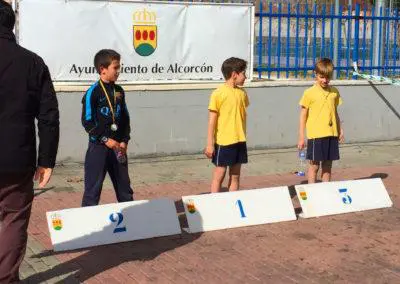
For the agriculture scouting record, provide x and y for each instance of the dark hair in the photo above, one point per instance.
(7, 15)
(104, 58)
(231, 65)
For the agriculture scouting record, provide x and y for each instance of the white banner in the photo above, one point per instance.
(112, 223)
(157, 41)
(236, 209)
(328, 198)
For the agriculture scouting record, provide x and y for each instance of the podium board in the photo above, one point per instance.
(112, 223)
(328, 198)
(236, 209)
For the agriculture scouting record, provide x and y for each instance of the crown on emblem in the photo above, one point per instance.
(144, 17)
(55, 216)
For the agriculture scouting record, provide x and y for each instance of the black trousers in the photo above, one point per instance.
(100, 160)
(16, 196)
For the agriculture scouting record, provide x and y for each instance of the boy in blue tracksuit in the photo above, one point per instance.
(105, 118)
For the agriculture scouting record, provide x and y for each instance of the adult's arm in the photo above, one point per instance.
(48, 119)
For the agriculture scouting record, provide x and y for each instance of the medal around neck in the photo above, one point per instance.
(114, 127)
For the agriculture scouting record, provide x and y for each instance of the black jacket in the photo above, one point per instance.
(26, 94)
(97, 116)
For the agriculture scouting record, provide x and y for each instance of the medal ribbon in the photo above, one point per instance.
(109, 101)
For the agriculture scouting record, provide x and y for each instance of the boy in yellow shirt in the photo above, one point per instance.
(320, 117)
(226, 139)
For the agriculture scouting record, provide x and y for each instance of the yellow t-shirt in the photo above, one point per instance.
(322, 105)
(230, 105)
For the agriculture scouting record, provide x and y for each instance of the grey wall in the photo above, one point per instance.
(167, 122)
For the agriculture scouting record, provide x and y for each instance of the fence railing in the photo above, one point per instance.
(291, 37)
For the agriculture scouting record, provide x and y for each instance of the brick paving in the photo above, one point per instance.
(360, 247)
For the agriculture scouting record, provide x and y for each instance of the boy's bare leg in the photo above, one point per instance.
(234, 177)
(218, 178)
(312, 171)
(326, 170)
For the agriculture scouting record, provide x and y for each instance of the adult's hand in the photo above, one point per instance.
(43, 175)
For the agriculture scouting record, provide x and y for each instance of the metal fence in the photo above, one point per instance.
(292, 34)
(290, 38)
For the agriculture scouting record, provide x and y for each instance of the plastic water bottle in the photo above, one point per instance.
(302, 168)
(121, 157)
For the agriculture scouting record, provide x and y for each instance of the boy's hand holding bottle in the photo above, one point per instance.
(112, 144)
(301, 144)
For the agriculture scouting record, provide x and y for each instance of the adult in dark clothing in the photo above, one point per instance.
(26, 94)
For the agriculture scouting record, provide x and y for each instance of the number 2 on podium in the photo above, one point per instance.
(119, 220)
(239, 203)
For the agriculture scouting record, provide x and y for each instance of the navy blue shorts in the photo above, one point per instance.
(230, 155)
(323, 149)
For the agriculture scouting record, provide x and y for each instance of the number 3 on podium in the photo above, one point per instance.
(345, 197)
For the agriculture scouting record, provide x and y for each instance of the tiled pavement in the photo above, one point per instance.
(361, 247)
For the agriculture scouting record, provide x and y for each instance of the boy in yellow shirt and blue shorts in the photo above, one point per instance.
(320, 118)
(226, 138)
